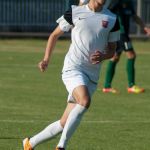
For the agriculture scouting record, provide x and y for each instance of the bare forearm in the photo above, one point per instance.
(51, 43)
(139, 21)
(98, 56)
(50, 46)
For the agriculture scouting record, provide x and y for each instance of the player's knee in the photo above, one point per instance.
(85, 101)
(115, 59)
(131, 55)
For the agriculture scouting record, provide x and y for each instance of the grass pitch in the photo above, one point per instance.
(30, 100)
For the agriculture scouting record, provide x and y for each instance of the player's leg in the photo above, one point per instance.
(80, 89)
(82, 97)
(50, 131)
(63, 119)
(130, 67)
(110, 72)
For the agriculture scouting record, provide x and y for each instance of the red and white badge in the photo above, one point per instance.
(105, 23)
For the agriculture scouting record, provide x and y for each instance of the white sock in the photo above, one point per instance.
(49, 132)
(72, 123)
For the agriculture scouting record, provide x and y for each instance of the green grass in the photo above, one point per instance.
(30, 100)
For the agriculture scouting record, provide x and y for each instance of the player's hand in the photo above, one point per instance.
(96, 57)
(147, 30)
(43, 65)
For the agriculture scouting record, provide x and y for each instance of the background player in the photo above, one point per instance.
(124, 10)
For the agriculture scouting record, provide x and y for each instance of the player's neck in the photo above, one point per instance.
(94, 6)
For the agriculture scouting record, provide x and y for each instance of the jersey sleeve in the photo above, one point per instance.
(115, 32)
(65, 22)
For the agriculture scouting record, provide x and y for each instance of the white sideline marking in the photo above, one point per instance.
(84, 121)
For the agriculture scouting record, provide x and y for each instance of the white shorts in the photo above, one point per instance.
(75, 78)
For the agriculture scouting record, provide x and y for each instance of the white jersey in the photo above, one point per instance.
(91, 31)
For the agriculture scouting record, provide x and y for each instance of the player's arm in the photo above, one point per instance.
(65, 24)
(140, 22)
(98, 56)
(49, 48)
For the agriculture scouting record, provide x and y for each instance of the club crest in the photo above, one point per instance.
(105, 23)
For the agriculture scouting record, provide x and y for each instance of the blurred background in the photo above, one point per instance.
(38, 17)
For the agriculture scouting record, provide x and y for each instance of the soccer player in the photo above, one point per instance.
(95, 31)
(124, 10)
